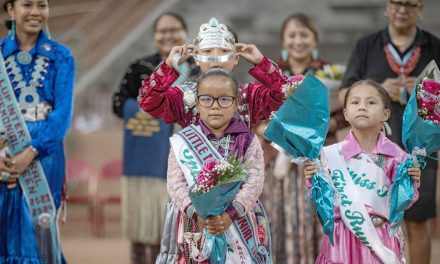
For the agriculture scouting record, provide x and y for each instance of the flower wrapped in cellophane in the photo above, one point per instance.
(331, 75)
(291, 86)
(217, 175)
(428, 94)
(218, 183)
(299, 128)
(420, 136)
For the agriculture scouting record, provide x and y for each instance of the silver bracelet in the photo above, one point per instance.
(34, 150)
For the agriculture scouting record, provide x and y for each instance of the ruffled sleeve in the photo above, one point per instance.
(266, 96)
(159, 98)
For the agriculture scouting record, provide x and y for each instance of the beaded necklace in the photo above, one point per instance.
(402, 66)
(29, 96)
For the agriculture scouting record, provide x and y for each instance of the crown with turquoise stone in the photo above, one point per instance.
(214, 35)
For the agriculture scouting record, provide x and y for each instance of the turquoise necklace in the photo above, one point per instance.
(29, 96)
(24, 57)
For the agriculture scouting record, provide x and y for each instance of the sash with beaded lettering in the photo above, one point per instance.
(33, 181)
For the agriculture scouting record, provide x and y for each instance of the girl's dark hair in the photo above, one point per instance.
(218, 72)
(304, 20)
(384, 96)
(5, 4)
(172, 14)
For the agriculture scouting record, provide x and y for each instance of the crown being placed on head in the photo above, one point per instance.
(214, 35)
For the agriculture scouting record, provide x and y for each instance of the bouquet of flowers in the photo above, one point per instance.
(299, 127)
(219, 172)
(217, 184)
(420, 135)
(292, 85)
(331, 72)
(331, 75)
(428, 98)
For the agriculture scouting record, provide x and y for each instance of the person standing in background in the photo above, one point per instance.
(394, 57)
(146, 145)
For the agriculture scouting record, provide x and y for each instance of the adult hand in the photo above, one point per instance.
(249, 52)
(184, 50)
(392, 86)
(12, 181)
(408, 83)
(22, 160)
(6, 165)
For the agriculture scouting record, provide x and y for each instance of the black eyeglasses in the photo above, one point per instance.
(208, 101)
(407, 5)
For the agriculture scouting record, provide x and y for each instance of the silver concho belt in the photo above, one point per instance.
(38, 112)
(377, 220)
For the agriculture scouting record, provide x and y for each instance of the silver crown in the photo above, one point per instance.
(214, 35)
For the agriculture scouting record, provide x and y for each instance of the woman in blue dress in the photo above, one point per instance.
(42, 74)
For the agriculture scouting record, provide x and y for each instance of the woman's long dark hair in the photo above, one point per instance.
(8, 22)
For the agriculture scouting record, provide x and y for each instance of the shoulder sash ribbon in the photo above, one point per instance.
(352, 201)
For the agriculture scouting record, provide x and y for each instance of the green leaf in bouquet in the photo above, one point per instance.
(431, 75)
(236, 171)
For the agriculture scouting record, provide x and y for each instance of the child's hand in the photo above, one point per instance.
(310, 169)
(249, 52)
(185, 52)
(218, 224)
(415, 173)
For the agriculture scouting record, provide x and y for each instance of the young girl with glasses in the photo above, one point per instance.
(217, 102)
